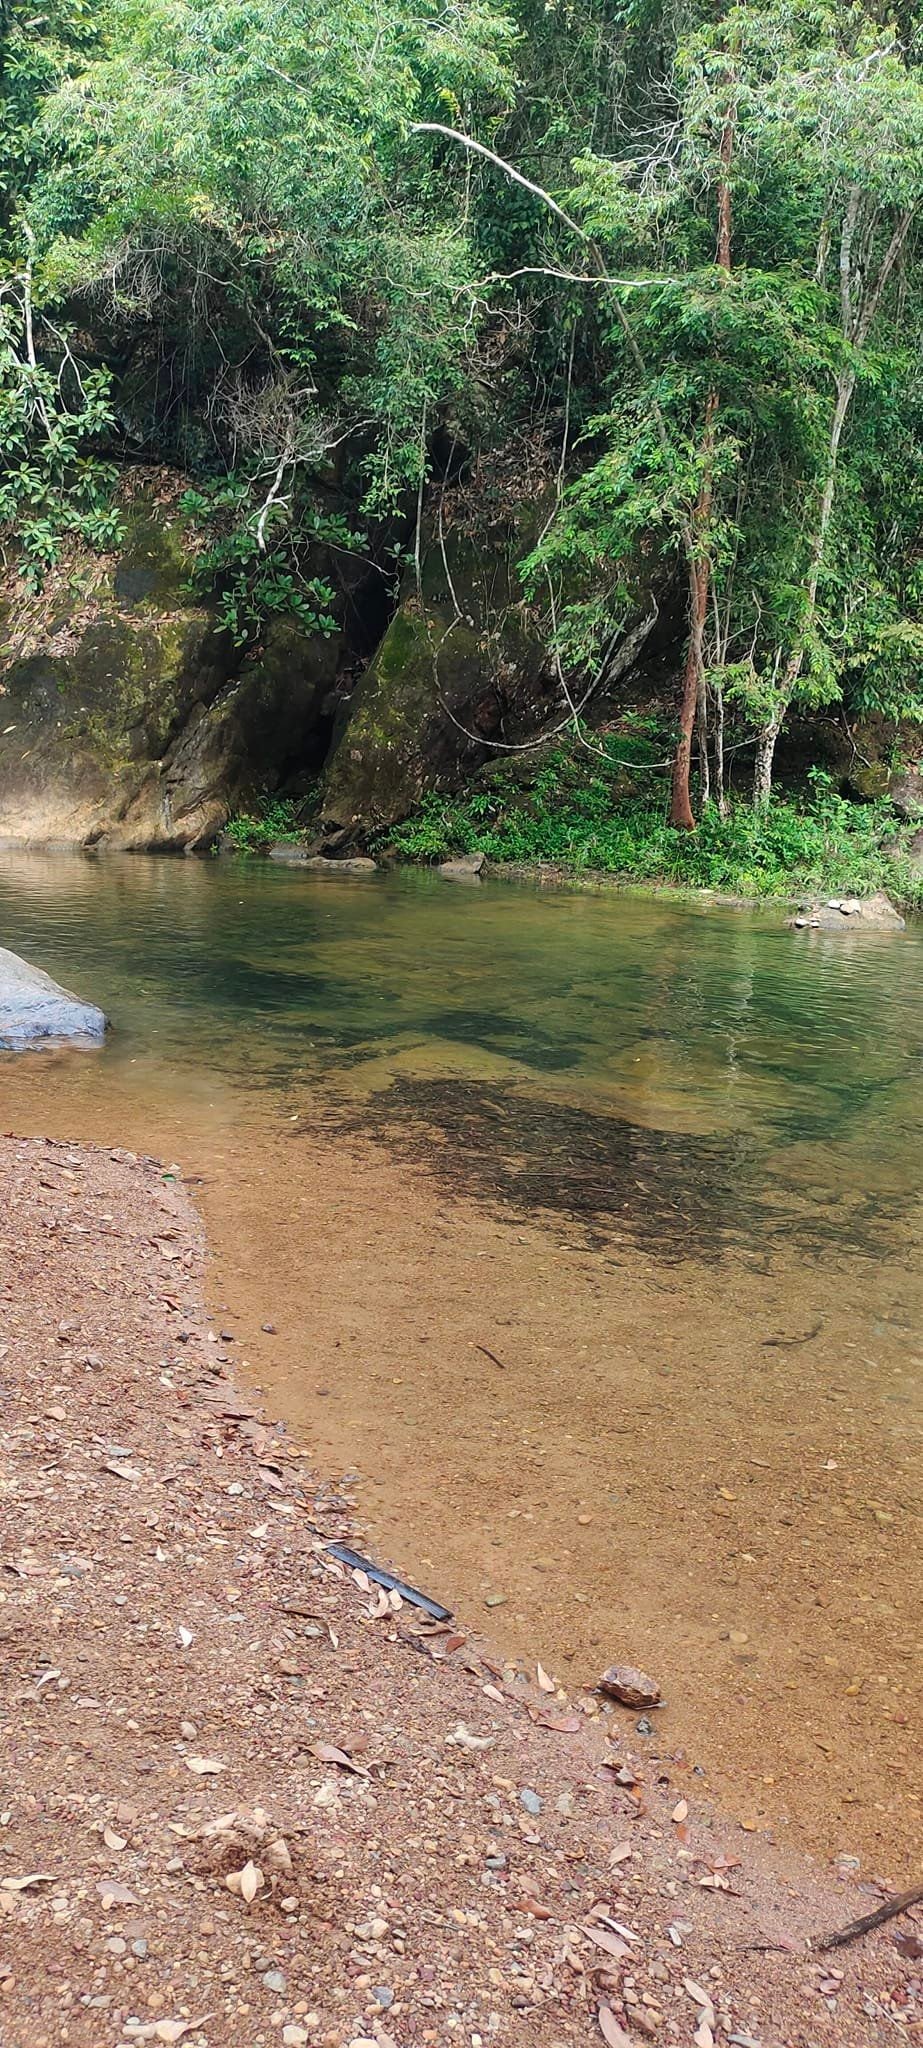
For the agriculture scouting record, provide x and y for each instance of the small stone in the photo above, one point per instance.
(269, 1329)
(531, 1801)
(628, 1685)
(139, 1949)
(274, 1981)
(644, 1726)
(294, 2037)
(495, 1600)
(383, 1995)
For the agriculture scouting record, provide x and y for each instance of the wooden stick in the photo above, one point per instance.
(900, 1904)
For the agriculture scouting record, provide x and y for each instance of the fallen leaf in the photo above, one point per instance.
(610, 2030)
(621, 1853)
(24, 1884)
(114, 1894)
(112, 1840)
(909, 1944)
(547, 1684)
(328, 1753)
(612, 1943)
(121, 1471)
(204, 1766)
(703, 2036)
(563, 1724)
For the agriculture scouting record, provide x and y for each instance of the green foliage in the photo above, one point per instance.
(52, 482)
(574, 819)
(278, 818)
(256, 571)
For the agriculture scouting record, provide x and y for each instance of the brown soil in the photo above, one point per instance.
(179, 1648)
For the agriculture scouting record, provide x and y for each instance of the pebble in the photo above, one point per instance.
(274, 1981)
(383, 1995)
(644, 1726)
(531, 1801)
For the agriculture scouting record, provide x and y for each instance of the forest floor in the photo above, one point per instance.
(246, 1799)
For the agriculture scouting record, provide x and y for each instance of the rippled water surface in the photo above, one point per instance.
(664, 1161)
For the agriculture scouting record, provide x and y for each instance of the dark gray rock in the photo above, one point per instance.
(33, 1008)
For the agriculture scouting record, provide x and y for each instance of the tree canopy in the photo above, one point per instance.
(301, 251)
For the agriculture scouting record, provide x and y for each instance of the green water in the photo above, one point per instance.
(790, 1063)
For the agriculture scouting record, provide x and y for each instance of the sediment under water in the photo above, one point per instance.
(590, 1228)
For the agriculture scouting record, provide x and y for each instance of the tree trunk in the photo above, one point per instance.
(762, 770)
(720, 790)
(681, 813)
(693, 702)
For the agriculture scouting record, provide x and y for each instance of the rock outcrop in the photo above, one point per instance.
(129, 720)
(35, 1008)
(464, 664)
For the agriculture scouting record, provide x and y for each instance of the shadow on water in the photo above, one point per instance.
(674, 1195)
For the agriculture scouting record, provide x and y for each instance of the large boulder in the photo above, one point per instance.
(462, 666)
(33, 1008)
(129, 720)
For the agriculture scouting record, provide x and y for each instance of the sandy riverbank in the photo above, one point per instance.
(177, 1650)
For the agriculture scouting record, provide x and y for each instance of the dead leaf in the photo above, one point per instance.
(204, 1766)
(121, 1471)
(610, 2030)
(621, 1853)
(563, 1724)
(114, 1894)
(328, 1753)
(547, 1684)
(612, 1943)
(909, 1944)
(112, 1840)
(24, 1884)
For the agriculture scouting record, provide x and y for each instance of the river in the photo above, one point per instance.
(589, 1226)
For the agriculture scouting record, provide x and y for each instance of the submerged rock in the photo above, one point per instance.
(849, 913)
(321, 863)
(33, 1008)
(467, 868)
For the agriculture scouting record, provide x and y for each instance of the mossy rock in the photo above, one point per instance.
(462, 667)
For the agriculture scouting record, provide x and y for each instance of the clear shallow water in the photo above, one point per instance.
(698, 1019)
(663, 1161)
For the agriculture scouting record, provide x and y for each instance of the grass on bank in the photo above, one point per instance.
(819, 843)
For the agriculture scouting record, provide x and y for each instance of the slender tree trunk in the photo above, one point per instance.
(720, 788)
(681, 813)
(693, 701)
(856, 320)
(765, 755)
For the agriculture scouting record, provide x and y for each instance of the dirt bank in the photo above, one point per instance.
(438, 1850)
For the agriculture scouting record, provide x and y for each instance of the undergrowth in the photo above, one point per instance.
(568, 818)
(278, 817)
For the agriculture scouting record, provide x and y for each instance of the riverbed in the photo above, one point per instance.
(589, 1229)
